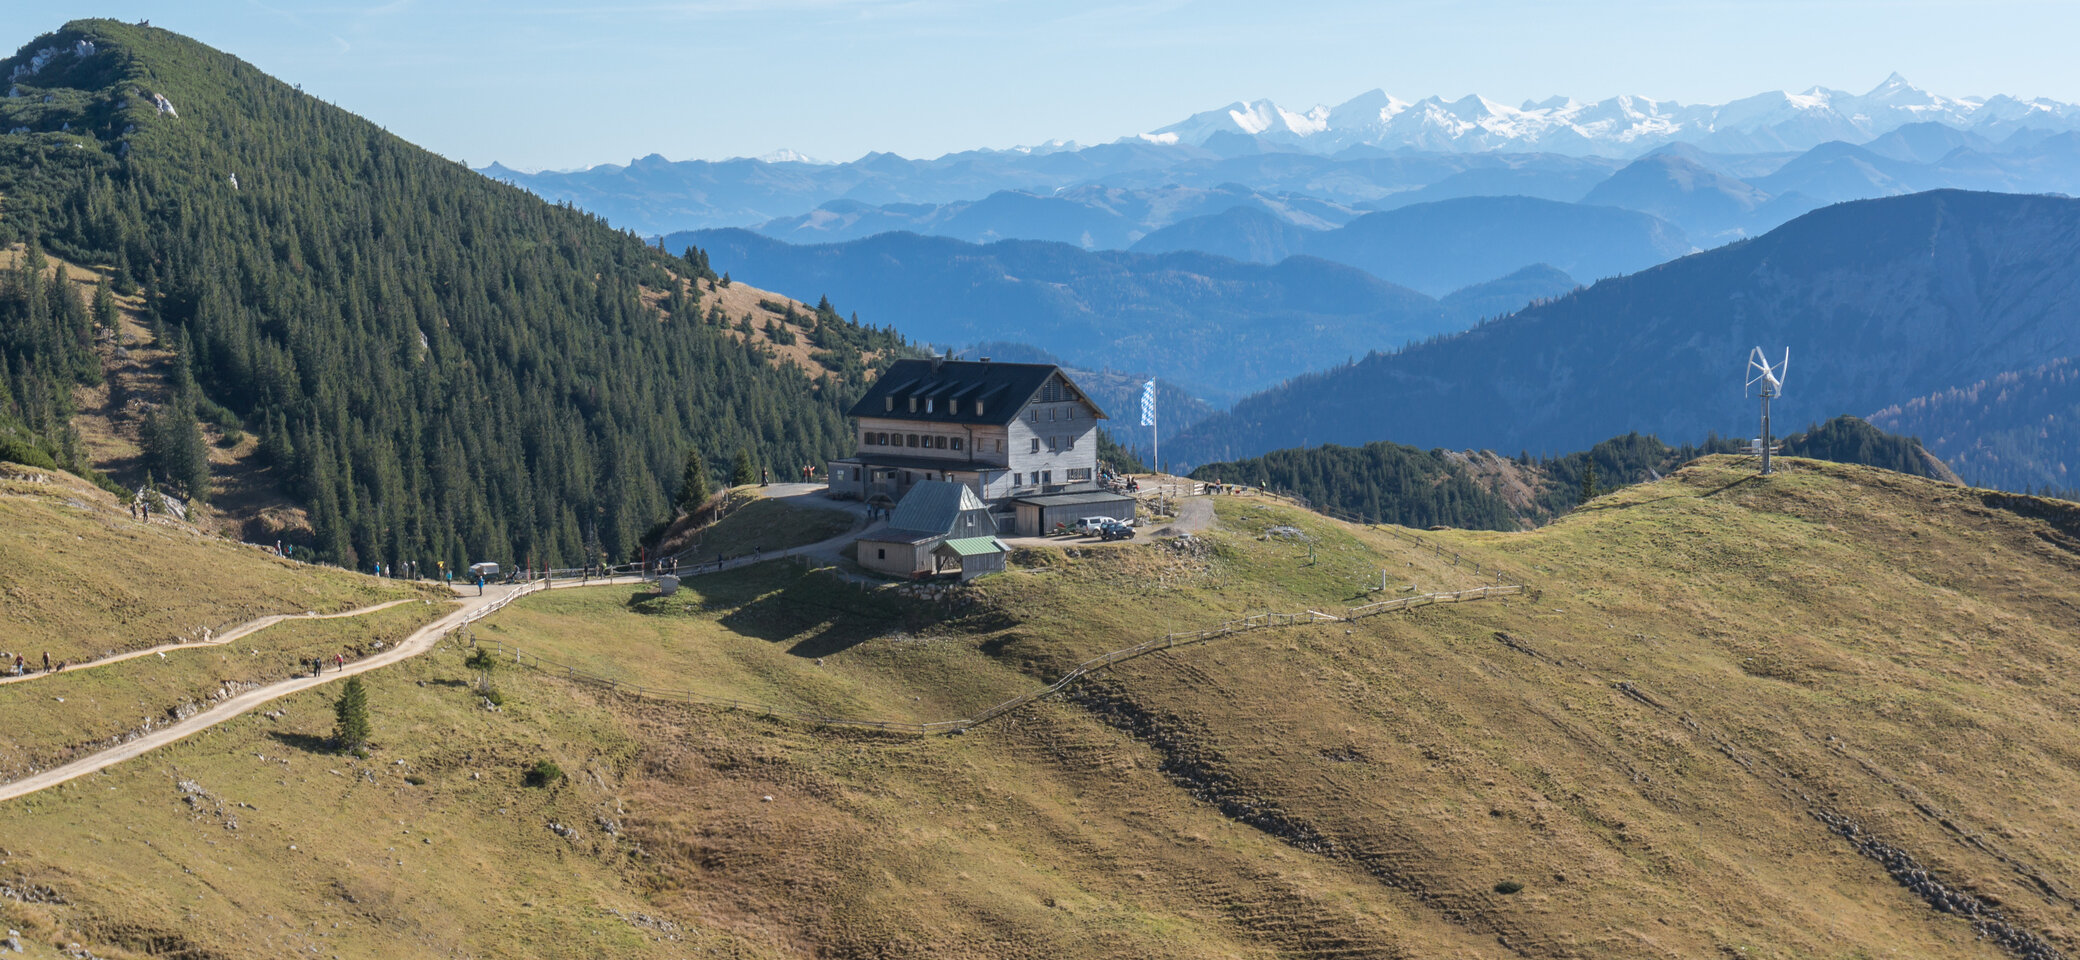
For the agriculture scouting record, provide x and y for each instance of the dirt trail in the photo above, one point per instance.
(419, 642)
(246, 629)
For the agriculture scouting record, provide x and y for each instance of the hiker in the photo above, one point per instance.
(718, 562)
(317, 665)
(341, 660)
(762, 476)
(46, 661)
(480, 584)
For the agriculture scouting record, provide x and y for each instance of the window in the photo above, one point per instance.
(928, 404)
(1078, 473)
(888, 403)
(956, 443)
(1036, 444)
(1000, 446)
(1018, 479)
(838, 474)
(1072, 413)
(1050, 414)
(1047, 476)
(1069, 442)
(913, 404)
(1051, 444)
(939, 443)
(881, 553)
(978, 408)
(881, 438)
(913, 440)
(953, 406)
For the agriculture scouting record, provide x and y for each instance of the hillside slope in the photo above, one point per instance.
(435, 365)
(2019, 430)
(1879, 301)
(1815, 715)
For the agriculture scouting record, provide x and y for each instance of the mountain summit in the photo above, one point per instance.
(1622, 126)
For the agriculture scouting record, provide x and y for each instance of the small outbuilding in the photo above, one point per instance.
(931, 513)
(970, 557)
(1038, 515)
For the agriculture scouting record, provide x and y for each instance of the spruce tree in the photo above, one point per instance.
(352, 730)
(743, 471)
(1588, 481)
(693, 481)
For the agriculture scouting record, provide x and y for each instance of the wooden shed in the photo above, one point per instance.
(971, 557)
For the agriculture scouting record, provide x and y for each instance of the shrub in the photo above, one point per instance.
(543, 773)
(497, 698)
(481, 660)
(415, 779)
(1508, 886)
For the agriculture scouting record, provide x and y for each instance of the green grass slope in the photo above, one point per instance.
(84, 579)
(1735, 719)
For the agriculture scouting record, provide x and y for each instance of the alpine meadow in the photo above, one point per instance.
(1454, 527)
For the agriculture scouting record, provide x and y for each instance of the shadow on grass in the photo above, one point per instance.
(302, 741)
(832, 614)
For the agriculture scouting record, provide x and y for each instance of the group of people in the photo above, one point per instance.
(20, 667)
(339, 661)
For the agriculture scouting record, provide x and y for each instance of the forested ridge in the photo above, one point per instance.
(439, 366)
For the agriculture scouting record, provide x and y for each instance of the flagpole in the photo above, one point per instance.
(1149, 419)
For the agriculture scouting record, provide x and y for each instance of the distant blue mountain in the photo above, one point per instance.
(1213, 325)
(1881, 301)
(1440, 247)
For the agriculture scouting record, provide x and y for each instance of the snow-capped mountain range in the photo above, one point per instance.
(1620, 126)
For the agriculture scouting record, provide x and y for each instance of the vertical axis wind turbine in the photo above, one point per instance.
(1772, 381)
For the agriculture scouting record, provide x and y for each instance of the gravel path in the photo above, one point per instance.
(242, 630)
(419, 642)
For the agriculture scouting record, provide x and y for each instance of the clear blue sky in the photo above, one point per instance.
(564, 83)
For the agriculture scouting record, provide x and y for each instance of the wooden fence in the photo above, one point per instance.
(1256, 622)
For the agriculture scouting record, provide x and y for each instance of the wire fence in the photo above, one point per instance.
(1259, 621)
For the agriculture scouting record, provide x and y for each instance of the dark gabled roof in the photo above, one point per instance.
(1001, 388)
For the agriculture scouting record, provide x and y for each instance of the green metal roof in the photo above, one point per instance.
(973, 546)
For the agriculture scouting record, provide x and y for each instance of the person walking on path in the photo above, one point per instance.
(340, 659)
(46, 661)
(480, 584)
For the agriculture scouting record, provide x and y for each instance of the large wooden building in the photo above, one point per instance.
(1021, 436)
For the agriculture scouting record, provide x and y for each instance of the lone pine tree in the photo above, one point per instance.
(352, 730)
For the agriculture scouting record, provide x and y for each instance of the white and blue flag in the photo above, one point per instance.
(1148, 404)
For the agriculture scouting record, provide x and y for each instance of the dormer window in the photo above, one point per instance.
(953, 407)
(978, 408)
(888, 403)
(928, 405)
